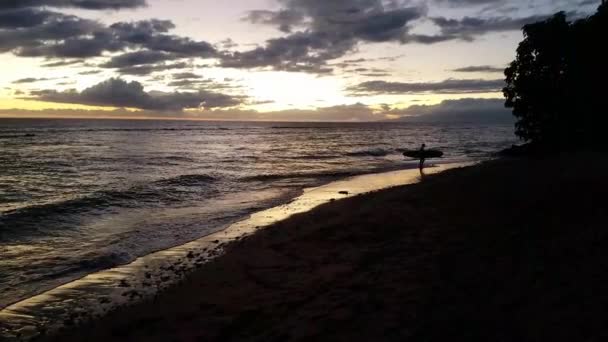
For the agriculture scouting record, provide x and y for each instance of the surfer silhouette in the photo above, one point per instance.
(423, 154)
(422, 157)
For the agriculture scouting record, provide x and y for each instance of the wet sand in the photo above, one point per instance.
(511, 250)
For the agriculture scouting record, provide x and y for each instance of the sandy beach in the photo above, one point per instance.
(506, 250)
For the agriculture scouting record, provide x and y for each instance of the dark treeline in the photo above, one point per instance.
(557, 84)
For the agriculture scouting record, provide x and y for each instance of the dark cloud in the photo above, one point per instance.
(188, 83)
(119, 93)
(150, 34)
(376, 74)
(142, 57)
(228, 44)
(143, 70)
(480, 68)
(303, 51)
(33, 32)
(461, 110)
(331, 29)
(90, 72)
(30, 80)
(186, 75)
(285, 20)
(460, 3)
(85, 4)
(63, 63)
(468, 28)
(450, 86)
(54, 29)
(22, 17)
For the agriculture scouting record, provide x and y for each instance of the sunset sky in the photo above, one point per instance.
(353, 60)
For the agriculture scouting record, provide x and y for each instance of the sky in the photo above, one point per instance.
(292, 60)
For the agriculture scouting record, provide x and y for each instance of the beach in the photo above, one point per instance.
(505, 250)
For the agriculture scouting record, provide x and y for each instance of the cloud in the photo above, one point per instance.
(480, 68)
(449, 86)
(116, 92)
(150, 34)
(65, 62)
(468, 28)
(331, 29)
(30, 80)
(457, 3)
(34, 32)
(143, 70)
(90, 72)
(85, 4)
(285, 20)
(189, 83)
(228, 44)
(186, 75)
(485, 111)
(462, 110)
(23, 17)
(137, 58)
(23, 36)
(376, 74)
(351, 113)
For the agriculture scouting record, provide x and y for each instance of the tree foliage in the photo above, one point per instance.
(556, 82)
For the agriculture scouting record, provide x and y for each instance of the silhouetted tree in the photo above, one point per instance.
(555, 84)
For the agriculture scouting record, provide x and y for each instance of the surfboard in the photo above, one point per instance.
(417, 154)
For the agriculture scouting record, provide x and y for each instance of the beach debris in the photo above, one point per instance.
(343, 192)
(132, 294)
(27, 332)
(104, 300)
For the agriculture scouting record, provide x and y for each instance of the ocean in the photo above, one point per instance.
(79, 196)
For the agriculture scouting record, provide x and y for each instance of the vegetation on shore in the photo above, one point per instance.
(556, 84)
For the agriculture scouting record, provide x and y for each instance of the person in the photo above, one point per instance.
(422, 158)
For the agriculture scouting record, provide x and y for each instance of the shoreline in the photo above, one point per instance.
(145, 277)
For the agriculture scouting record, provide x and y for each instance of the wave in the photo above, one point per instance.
(178, 158)
(374, 152)
(271, 176)
(313, 157)
(186, 180)
(28, 134)
(100, 262)
(158, 193)
(301, 127)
